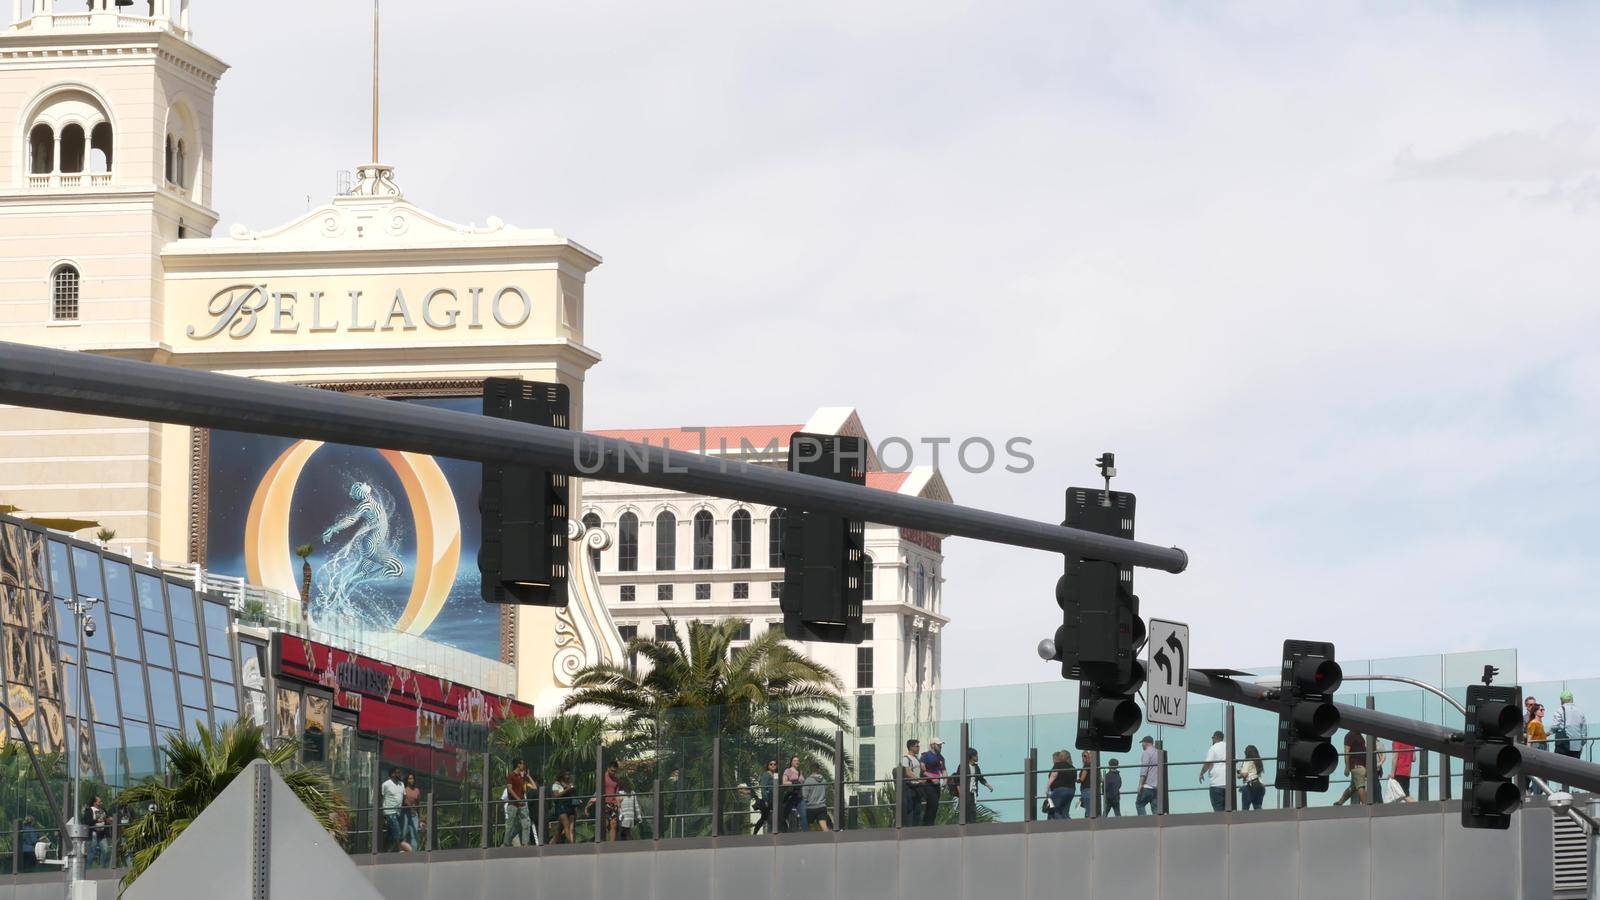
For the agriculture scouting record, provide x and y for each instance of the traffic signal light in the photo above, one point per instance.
(1494, 718)
(1101, 632)
(1308, 717)
(824, 558)
(523, 548)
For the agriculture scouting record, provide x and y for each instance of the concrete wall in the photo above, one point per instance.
(1410, 852)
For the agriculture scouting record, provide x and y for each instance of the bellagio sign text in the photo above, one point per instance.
(241, 307)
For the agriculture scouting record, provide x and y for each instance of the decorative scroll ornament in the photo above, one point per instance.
(374, 180)
(585, 635)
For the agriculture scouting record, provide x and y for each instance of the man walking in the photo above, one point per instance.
(1216, 767)
(1149, 776)
(933, 773)
(911, 765)
(1113, 791)
(816, 799)
(1571, 729)
(1355, 765)
(517, 820)
(394, 796)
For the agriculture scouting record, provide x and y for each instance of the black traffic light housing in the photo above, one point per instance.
(1101, 632)
(824, 557)
(1494, 719)
(1308, 717)
(523, 548)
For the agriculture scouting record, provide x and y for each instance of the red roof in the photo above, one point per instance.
(716, 436)
(886, 481)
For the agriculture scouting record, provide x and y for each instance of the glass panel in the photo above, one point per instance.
(49, 671)
(217, 629)
(11, 557)
(60, 570)
(141, 750)
(152, 608)
(108, 754)
(156, 649)
(288, 715)
(103, 696)
(55, 726)
(194, 720)
(189, 659)
(69, 687)
(224, 696)
(99, 661)
(64, 624)
(163, 697)
(13, 606)
(130, 681)
(181, 598)
(221, 669)
(119, 587)
(226, 717)
(193, 691)
(126, 632)
(86, 566)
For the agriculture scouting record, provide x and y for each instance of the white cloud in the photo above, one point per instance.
(1289, 261)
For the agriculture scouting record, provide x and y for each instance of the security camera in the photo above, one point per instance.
(1560, 801)
(1047, 649)
(150, 808)
(88, 626)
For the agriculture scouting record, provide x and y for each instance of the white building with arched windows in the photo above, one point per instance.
(694, 557)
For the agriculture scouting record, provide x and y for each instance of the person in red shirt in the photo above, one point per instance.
(608, 789)
(518, 825)
(1405, 756)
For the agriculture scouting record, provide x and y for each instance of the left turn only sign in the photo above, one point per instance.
(1167, 673)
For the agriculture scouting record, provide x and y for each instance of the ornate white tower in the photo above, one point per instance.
(105, 156)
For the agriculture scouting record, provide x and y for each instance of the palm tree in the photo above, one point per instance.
(304, 552)
(763, 699)
(199, 772)
(564, 743)
(105, 535)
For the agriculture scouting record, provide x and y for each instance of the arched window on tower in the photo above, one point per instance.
(666, 542)
(741, 539)
(775, 539)
(628, 543)
(64, 294)
(866, 578)
(100, 148)
(72, 149)
(41, 150)
(180, 165)
(592, 521)
(704, 542)
(171, 146)
(917, 581)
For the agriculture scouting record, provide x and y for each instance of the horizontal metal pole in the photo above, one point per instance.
(1545, 764)
(98, 385)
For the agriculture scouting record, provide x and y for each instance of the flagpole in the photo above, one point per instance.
(375, 81)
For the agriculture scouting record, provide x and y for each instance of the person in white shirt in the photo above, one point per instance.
(1149, 776)
(394, 794)
(1216, 768)
(911, 803)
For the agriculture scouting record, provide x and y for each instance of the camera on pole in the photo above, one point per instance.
(1494, 719)
(523, 508)
(824, 555)
(1101, 632)
(1308, 717)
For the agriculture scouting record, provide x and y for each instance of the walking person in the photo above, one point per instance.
(393, 793)
(94, 817)
(1113, 791)
(975, 779)
(516, 794)
(1215, 768)
(1405, 759)
(794, 804)
(1355, 765)
(609, 780)
(933, 774)
(1062, 785)
(566, 809)
(628, 816)
(816, 799)
(766, 792)
(410, 821)
(1084, 781)
(911, 765)
(1149, 776)
(1571, 728)
(1251, 791)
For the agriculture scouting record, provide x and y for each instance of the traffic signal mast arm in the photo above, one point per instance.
(70, 381)
(1543, 763)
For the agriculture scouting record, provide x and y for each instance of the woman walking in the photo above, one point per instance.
(1062, 785)
(1083, 782)
(1251, 790)
(410, 801)
(566, 809)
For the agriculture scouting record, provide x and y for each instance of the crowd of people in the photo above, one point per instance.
(928, 777)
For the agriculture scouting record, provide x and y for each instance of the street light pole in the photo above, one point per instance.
(79, 831)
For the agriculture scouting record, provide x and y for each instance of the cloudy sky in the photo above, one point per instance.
(1322, 275)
